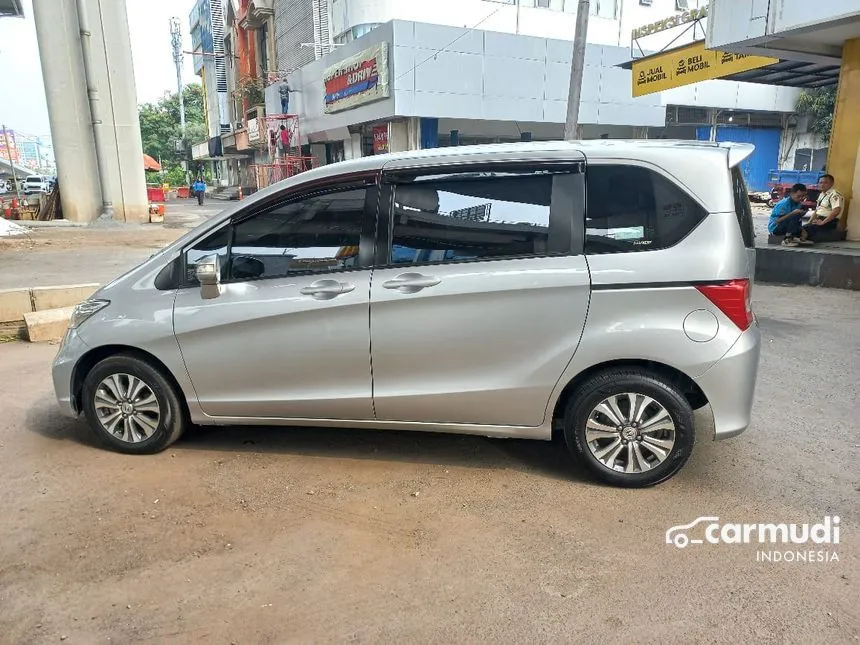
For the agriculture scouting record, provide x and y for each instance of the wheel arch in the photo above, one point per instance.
(89, 360)
(690, 389)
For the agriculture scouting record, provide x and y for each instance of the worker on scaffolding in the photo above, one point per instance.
(284, 91)
(284, 140)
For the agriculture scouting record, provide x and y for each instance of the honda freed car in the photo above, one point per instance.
(599, 288)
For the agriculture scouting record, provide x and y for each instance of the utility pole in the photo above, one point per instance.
(176, 42)
(572, 129)
(11, 164)
(517, 31)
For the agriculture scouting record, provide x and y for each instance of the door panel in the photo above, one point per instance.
(483, 295)
(486, 345)
(288, 336)
(265, 349)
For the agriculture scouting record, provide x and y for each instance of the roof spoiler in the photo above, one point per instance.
(737, 151)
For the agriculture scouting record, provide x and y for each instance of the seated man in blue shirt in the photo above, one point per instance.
(786, 218)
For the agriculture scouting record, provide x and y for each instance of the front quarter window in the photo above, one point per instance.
(318, 234)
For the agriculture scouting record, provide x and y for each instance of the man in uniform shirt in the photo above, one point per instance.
(828, 208)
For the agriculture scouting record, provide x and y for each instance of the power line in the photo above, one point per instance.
(439, 51)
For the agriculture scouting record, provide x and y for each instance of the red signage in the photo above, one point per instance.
(352, 80)
(357, 80)
(380, 139)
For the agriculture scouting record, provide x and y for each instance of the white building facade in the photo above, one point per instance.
(473, 71)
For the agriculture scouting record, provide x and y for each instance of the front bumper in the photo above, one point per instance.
(729, 385)
(71, 350)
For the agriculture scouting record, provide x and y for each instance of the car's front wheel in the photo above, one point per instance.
(131, 407)
(630, 427)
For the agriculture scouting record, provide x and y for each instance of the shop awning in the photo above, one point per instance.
(11, 9)
(790, 73)
(150, 164)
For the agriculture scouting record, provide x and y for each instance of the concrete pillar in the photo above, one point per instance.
(114, 71)
(352, 147)
(853, 226)
(404, 134)
(318, 151)
(398, 136)
(413, 133)
(845, 136)
(68, 108)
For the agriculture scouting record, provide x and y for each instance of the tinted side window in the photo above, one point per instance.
(217, 243)
(743, 210)
(473, 216)
(318, 234)
(630, 208)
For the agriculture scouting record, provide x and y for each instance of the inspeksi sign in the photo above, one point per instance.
(671, 21)
(357, 80)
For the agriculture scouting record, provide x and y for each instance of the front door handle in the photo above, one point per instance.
(411, 282)
(326, 289)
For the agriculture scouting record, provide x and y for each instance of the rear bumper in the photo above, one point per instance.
(729, 385)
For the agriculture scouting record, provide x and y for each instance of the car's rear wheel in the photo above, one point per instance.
(131, 407)
(630, 427)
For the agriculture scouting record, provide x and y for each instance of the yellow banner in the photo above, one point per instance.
(689, 64)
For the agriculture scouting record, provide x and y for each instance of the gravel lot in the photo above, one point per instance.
(269, 535)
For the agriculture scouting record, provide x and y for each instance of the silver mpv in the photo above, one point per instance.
(599, 289)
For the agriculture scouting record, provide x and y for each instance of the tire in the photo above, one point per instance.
(656, 454)
(158, 420)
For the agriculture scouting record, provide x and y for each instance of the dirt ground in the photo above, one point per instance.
(55, 256)
(267, 535)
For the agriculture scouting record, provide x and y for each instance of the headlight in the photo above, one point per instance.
(86, 309)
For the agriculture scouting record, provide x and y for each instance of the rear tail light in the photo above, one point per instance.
(733, 299)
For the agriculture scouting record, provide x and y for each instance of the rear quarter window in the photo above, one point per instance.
(630, 209)
(743, 210)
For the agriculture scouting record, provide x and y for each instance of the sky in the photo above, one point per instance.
(22, 93)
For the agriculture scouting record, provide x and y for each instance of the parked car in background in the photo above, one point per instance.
(596, 288)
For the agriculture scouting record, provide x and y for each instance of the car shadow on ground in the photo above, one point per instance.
(549, 459)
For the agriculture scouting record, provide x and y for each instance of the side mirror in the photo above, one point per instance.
(208, 272)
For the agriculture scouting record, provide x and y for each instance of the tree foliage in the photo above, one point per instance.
(160, 126)
(819, 104)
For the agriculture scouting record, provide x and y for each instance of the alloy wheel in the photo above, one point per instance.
(127, 407)
(630, 433)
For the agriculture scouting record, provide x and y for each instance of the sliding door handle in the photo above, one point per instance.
(411, 282)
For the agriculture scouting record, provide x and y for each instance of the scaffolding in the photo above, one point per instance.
(280, 136)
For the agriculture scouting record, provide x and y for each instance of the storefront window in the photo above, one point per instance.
(355, 32)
